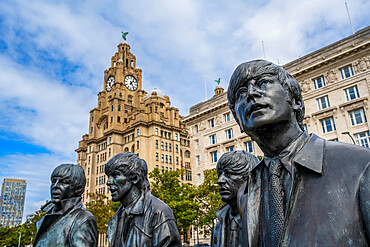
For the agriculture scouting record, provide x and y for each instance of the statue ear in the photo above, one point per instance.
(135, 179)
(78, 191)
(297, 105)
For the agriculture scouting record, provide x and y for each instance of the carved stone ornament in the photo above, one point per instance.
(331, 76)
(219, 120)
(202, 125)
(306, 86)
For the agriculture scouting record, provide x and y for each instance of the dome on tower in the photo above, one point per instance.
(155, 93)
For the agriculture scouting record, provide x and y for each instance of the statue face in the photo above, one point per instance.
(228, 185)
(262, 102)
(61, 188)
(119, 185)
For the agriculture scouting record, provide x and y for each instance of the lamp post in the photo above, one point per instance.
(347, 133)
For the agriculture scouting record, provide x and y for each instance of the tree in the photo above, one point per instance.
(102, 209)
(209, 200)
(179, 197)
(9, 236)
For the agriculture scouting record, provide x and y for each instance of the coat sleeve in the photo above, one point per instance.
(84, 232)
(166, 235)
(365, 201)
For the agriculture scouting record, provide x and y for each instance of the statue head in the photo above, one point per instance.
(232, 170)
(126, 173)
(67, 181)
(262, 93)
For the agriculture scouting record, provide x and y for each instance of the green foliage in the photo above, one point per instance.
(209, 200)
(102, 209)
(179, 197)
(9, 236)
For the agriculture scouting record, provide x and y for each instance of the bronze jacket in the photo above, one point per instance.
(219, 234)
(149, 223)
(329, 203)
(74, 226)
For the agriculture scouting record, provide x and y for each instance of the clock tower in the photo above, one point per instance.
(128, 119)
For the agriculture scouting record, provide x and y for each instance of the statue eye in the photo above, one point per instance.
(241, 91)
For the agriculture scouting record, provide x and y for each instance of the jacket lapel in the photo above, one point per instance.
(254, 205)
(112, 227)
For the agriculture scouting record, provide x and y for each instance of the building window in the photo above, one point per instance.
(111, 119)
(175, 115)
(112, 108)
(177, 160)
(352, 93)
(357, 116)
(162, 158)
(176, 137)
(196, 144)
(118, 119)
(165, 146)
(156, 156)
(196, 129)
(319, 82)
(119, 108)
(229, 134)
(346, 72)
(211, 123)
(323, 102)
(156, 131)
(230, 149)
(328, 125)
(212, 139)
(137, 145)
(91, 130)
(199, 178)
(227, 117)
(166, 158)
(198, 160)
(170, 159)
(363, 139)
(214, 156)
(162, 146)
(177, 148)
(110, 140)
(138, 132)
(169, 147)
(156, 144)
(249, 147)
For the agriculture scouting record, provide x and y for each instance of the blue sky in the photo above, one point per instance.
(53, 55)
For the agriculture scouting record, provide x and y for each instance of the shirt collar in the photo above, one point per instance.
(306, 150)
(66, 205)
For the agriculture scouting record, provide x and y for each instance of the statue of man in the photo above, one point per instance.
(232, 169)
(67, 222)
(307, 191)
(142, 219)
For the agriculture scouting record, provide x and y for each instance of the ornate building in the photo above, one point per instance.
(335, 83)
(129, 119)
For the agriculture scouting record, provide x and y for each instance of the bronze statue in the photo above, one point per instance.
(307, 191)
(142, 219)
(232, 169)
(67, 222)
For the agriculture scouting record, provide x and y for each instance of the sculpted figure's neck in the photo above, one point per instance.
(132, 196)
(273, 139)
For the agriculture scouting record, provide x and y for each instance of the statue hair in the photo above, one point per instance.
(129, 164)
(256, 68)
(74, 174)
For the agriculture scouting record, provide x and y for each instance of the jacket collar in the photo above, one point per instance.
(66, 204)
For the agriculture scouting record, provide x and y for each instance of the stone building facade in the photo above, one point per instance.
(129, 119)
(335, 83)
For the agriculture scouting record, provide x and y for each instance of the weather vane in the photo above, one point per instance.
(218, 81)
(124, 35)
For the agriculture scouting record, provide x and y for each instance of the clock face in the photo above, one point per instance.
(110, 83)
(131, 82)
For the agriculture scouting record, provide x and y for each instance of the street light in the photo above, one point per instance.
(347, 133)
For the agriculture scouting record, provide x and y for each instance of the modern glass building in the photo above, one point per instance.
(13, 194)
